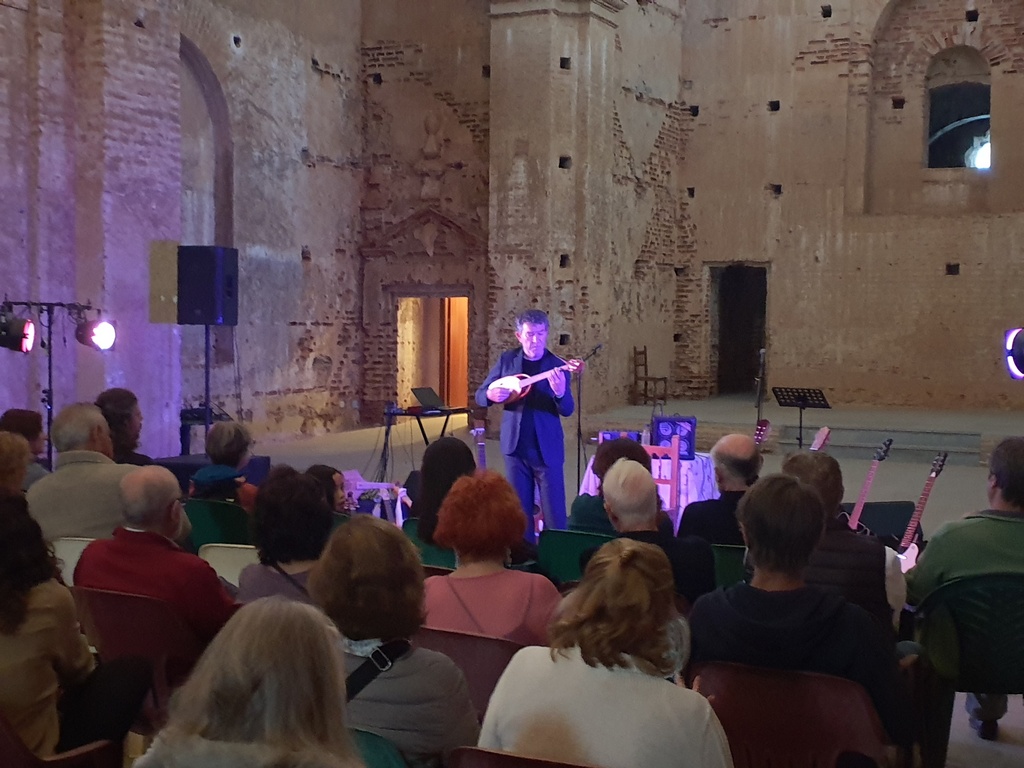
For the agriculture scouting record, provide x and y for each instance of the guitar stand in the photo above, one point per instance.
(800, 397)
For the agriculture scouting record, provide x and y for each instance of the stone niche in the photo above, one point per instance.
(426, 255)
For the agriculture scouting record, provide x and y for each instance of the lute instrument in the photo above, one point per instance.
(519, 384)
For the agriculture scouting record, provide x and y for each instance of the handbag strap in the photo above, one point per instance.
(294, 582)
(381, 659)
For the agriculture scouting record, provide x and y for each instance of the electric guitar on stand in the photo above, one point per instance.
(763, 427)
(908, 550)
(854, 517)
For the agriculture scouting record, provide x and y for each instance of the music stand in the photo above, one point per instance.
(800, 397)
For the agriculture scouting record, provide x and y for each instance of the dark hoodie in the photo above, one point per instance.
(807, 629)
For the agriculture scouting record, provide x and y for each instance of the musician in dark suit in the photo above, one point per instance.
(531, 427)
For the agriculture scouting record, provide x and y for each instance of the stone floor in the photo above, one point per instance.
(958, 490)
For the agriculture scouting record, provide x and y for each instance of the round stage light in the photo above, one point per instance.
(1014, 347)
(98, 334)
(17, 334)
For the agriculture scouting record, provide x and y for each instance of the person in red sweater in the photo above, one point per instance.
(143, 558)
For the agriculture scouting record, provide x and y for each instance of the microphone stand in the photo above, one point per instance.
(581, 447)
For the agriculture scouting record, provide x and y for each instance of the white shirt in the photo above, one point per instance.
(609, 717)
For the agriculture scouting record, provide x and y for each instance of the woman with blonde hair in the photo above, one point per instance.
(599, 696)
(267, 693)
(369, 580)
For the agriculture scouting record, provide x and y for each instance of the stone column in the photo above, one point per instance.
(553, 74)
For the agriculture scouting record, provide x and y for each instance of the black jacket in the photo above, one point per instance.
(713, 520)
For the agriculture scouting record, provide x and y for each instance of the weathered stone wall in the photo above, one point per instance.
(425, 203)
(859, 299)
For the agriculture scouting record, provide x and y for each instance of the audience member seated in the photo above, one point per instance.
(121, 410)
(369, 580)
(598, 696)
(861, 568)
(333, 483)
(45, 659)
(588, 512)
(81, 497)
(28, 424)
(481, 519)
(229, 445)
(15, 457)
(991, 541)
(444, 462)
(290, 526)
(143, 558)
(778, 621)
(631, 498)
(737, 462)
(267, 693)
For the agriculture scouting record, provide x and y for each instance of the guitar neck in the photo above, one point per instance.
(537, 377)
(865, 489)
(915, 519)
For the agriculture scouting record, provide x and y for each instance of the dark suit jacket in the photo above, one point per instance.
(713, 520)
(547, 420)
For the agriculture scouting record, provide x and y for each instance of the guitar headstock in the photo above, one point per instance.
(883, 450)
(575, 365)
(939, 462)
(761, 431)
(821, 438)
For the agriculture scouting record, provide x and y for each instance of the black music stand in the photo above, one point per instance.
(800, 397)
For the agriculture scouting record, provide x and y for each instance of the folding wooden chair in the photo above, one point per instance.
(794, 719)
(481, 659)
(14, 753)
(118, 624)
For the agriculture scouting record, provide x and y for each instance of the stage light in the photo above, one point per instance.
(1015, 352)
(98, 334)
(16, 333)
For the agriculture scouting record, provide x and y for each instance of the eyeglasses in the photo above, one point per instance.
(183, 500)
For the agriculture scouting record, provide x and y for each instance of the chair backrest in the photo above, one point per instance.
(665, 470)
(228, 560)
(481, 659)
(640, 361)
(794, 719)
(376, 751)
(217, 522)
(475, 757)
(118, 624)
(14, 753)
(987, 615)
(558, 552)
(729, 567)
(429, 554)
(68, 549)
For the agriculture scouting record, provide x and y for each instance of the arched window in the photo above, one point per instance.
(959, 110)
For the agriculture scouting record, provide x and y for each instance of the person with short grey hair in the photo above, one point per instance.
(81, 496)
(143, 558)
(229, 446)
(632, 501)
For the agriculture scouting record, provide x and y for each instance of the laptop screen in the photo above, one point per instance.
(428, 398)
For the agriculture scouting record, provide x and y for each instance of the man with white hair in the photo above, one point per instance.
(737, 463)
(80, 497)
(142, 558)
(631, 499)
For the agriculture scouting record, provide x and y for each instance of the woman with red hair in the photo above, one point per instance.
(481, 519)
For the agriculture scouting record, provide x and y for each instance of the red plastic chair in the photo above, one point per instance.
(481, 659)
(775, 718)
(119, 624)
(474, 757)
(14, 753)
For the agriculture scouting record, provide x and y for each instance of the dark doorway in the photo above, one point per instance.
(741, 293)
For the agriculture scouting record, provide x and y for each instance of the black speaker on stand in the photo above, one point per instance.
(207, 296)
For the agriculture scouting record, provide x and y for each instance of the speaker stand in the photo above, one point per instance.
(207, 413)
